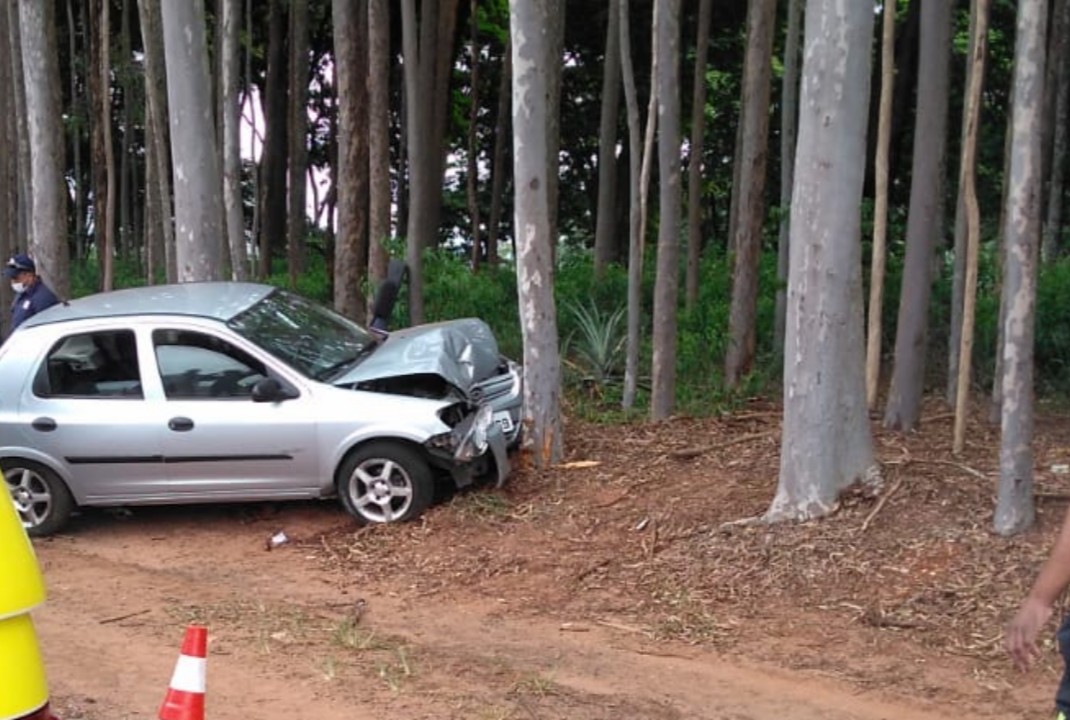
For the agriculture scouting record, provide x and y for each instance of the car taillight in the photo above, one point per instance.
(43, 714)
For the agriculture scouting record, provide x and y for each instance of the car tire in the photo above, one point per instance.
(385, 481)
(42, 499)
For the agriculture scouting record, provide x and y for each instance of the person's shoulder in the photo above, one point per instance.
(44, 295)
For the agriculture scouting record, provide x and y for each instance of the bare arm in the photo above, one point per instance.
(1036, 609)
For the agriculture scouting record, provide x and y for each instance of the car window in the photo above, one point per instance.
(100, 364)
(196, 365)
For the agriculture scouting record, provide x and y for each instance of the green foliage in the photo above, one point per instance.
(597, 345)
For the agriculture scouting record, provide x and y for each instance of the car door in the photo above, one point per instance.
(218, 443)
(86, 408)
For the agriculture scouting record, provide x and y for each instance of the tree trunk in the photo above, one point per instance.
(76, 125)
(9, 153)
(231, 112)
(757, 69)
(923, 227)
(789, 130)
(605, 232)
(694, 159)
(995, 405)
(667, 281)
(298, 129)
(823, 357)
(1014, 509)
(153, 216)
(880, 211)
(351, 241)
(1053, 218)
(157, 120)
(106, 246)
(555, 30)
(198, 210)
(123, 247)
(534, 267)
(378, 138)
(472, 184)
(968, 185)
(40, 59)
(273, 160)
(502, 142)
(23, 181)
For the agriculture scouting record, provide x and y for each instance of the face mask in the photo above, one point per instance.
(18, 287)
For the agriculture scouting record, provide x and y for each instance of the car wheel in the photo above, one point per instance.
(385, 482)
(41, 498)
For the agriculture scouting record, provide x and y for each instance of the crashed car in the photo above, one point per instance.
(226, 391)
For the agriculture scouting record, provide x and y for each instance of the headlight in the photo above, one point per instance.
(473, 434)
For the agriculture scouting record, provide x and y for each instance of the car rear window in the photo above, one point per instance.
(100, 364)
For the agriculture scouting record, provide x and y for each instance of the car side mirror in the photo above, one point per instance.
(271, 390)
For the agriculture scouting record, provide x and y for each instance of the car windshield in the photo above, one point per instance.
(310, 338)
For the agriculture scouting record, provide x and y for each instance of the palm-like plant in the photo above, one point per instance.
(597, 343)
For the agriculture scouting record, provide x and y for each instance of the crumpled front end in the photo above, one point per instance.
(473, 449)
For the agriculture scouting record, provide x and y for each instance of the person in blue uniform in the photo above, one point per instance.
(31, 294)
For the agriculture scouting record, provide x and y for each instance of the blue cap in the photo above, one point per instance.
(19, 263)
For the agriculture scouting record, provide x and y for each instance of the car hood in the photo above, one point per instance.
(462, 352)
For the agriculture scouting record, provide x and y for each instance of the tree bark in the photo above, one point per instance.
(605, 232)
(351, 241)
(379, 231)
(823, 357)
(695, 152)
(231, 111)
(1014, 509)
(472, 180)
(156, 108)
(9, 154)
(968, 183)
(273, 160)
(106, 247)
(534, 267)
(198, 210)
(1053, 217)
(500, 167)
(789, 131)
(40, 59)
(880, 211)
(923, 226)
(76, 125)
(298, 129)
(667, 280)
(23, 182)
(757, 69)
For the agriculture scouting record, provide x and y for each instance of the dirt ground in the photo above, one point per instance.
(607, 588)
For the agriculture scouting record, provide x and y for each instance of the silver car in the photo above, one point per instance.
(215, 392)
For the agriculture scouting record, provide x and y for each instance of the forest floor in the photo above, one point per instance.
(609, 587)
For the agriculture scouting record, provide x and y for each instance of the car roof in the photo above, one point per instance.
(215, 300)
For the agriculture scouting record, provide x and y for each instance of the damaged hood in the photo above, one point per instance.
(462, 352)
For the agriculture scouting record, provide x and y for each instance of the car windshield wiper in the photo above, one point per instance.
(345, 363)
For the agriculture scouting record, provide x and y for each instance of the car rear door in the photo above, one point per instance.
(86, 410)
(218, 443)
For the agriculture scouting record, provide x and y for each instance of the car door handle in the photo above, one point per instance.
(44, 424)
(180, 424)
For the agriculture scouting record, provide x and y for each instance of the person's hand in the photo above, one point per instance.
(1020, 639)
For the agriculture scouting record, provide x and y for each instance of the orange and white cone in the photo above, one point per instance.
(185, 696)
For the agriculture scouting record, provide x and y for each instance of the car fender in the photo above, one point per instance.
(24, 453)
(372, 434)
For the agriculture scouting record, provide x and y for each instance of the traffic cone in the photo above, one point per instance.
(185, 696)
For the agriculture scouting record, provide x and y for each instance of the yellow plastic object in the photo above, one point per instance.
(23, 688)
(22, 588)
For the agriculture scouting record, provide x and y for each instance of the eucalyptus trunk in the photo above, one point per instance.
(378, 138)
(500, 166)
(22, 133)
(1060, 59)
(296, 226)
(605, 232)
(694, 158)
(789, 131)
(231, 111)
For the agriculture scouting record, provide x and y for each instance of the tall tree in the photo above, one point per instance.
(298, 129)
(923, 218)
(472, 176)
(351, 242)
(198, 210)
(694, 158)
(231, 111)
(378, 138)
(499, 166)
(757, 70)
(76, 126)
(273, 160)
(40, 58)
(22, 130)
(667, 280)
(106, 238)
(826, 443)
(880, 209)
(968, 185)
(1014, 509)
(9, 169)
(1060, 76)
(157, 126)
(605, 232)
(534, 267)
(789, 130)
